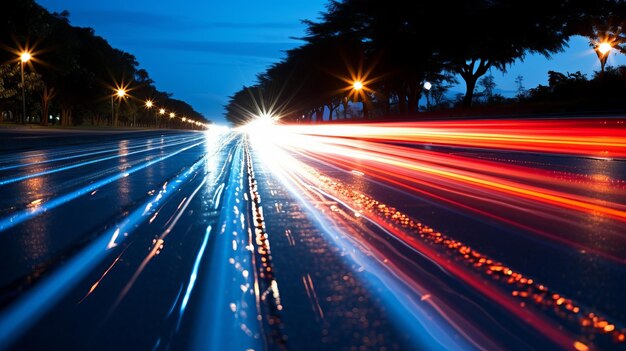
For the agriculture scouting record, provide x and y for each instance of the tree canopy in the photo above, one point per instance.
(393, 47)
(73, 72)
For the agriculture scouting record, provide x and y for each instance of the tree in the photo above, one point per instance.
(396, 45)
(46, 96)
(8, 89)
(487, 36)
(519, 82)
(396, 42)
(78, 69)
(489, 84)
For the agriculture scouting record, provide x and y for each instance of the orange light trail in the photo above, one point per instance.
(539, 201)
(509, 188)
(589, 137)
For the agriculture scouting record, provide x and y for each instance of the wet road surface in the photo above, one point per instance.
(218, 240)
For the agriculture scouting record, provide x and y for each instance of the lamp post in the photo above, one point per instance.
(120, 93)
(149, 105)
(112, 111)
(357, 88)
(24, 57)
(602, 50)
(427, 87)
(162, 113)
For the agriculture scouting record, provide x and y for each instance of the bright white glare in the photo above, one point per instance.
(263, 130)
(427, 85)
(25, 56)
(263, 123)
(604, 47)
(216, 128)
(120, 93)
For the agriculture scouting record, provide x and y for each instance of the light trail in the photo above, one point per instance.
(159, 243)
(85, 163)
(589, 137)
(489, 189)
(215, 146)
(24, 215)
(429, 331)
(227, 314)
(537, 201)
(19, 316)
(82, 152)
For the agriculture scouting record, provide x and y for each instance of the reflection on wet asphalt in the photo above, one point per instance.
(174, 240)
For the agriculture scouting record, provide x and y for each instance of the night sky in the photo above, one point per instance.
(204, 51)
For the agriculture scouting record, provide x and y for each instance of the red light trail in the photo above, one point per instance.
(540, 202)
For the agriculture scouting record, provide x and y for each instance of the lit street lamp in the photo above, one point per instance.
(149, 105)
(602, 50)
(427, 87)
(162, 113)
(24, 57)
(357, 90)
(120, 93)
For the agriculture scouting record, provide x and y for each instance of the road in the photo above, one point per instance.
(302, 240)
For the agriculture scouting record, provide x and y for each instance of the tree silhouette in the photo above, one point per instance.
(488, 84)
(400, 44)
(78, 68)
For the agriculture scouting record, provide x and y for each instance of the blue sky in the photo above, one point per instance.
(204, 51)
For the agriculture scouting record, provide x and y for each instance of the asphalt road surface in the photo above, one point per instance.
(222, 241)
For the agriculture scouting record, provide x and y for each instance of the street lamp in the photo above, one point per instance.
(602, 50)
(24, 57)
(162, 113)
(149, 105)
(172, 115)
(427, 87)
(357, 90)
(120, 93)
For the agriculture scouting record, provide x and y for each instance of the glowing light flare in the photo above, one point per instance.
(264, 127)
(25, 56)
(162, 111)
(604, 48)
(121, 92)
(149, 104)
(358, 80)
